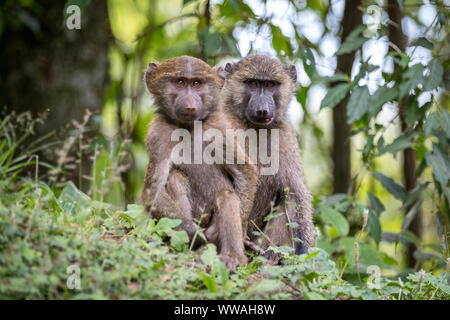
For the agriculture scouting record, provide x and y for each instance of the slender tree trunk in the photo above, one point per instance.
(341, 130)
(397, 37)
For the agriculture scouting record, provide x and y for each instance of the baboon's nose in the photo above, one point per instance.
(190, 109)
(261, 113)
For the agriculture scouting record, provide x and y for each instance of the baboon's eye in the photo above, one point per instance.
(181, 83)
(196, 83)
(269, 84)
(252, 83)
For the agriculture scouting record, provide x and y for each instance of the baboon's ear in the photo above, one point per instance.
(229, 67)
(292, 71)
(152, 67)
(218, 69)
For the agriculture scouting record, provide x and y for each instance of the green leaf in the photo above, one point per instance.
(410, 79)
(402, 142)
(440, 164)
(375, 203)
(358, 104)
(353, 41)
(334, 218)
(309, 62)
(335, 95)
(445, 122)
(212, 43)
(394, 188)
(185, 2)
(209, 282)
(374, 226)
(178, 239)
(72, 200)
(434, 79)
(210, 255)
(232, 46)
(431, 123)
(380, 97)
(279, 42)
(422, 42)
(266, 286)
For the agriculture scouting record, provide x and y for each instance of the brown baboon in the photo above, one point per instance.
(256, 94)
(185, 90)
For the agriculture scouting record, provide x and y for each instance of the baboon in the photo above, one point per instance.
(217, 197)
(256, 93)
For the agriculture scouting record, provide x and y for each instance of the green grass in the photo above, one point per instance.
(126, 255)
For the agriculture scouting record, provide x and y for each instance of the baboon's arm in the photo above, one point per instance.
(298, 199)
(159, 178)
(245, 180)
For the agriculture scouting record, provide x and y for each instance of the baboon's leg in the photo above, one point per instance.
(178, 190)
(227, 226)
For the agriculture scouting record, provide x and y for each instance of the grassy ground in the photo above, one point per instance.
(48, 241)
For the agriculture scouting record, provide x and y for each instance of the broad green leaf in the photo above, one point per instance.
(185, 2)
(410, 79)
(209, 282)
(358, 104)
(402, 142)
(445, 122)
(71, 199)
(335, 95)
(393, 187)
(380, 97)
(178, 239)
(374, 226)
(439, 161)
(435, 77)
(212, 43)
(308, 61)
(422, 42)
(231, 44)
(165, 224)
(337, 77)
(334, 218)
(279, 42)
(375, 203)
(210, 255)
(353, 41)
(368, 147)
(431, 123)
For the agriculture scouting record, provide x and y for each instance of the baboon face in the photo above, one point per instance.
(260, 87)
(185, 88)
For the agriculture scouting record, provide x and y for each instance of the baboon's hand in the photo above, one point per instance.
(211, 233)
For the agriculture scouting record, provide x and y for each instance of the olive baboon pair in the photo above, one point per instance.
(229, 200)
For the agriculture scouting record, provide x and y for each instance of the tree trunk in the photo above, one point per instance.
(397, 37)
(341, 130)
(51, 68)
